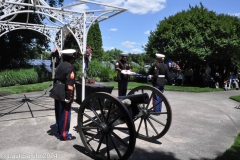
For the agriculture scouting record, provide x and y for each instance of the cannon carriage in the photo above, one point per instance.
(109, 126)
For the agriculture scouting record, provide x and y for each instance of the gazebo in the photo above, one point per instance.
(57, 23)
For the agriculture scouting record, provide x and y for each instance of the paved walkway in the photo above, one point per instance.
(204, 125)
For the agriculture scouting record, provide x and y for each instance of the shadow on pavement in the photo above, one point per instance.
(20, 105)
(82, 150)
(138, 154)
(53, 130)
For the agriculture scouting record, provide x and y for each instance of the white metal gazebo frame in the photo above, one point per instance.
(66, 21)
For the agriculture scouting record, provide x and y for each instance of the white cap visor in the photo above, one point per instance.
(160, 55)
(68, 51)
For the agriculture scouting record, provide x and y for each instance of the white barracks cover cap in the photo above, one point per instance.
(68, 52)
(160, 55)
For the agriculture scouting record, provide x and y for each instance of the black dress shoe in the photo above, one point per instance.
(70, 137)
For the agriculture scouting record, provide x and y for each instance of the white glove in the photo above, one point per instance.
(127, 102)
(123, 71)
(67, 101)
(150, 76)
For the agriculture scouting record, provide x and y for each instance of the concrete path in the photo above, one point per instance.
(204, 125)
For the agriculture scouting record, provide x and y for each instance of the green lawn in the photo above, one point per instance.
(26, 88)
(233, 153)
(41, 86)
(132, 85)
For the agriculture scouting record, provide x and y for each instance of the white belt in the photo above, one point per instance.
(161, 76)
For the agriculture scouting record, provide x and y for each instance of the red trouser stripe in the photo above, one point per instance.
(65, 122)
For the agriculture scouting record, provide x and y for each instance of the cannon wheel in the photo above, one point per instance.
(106, 128)
(151, 125)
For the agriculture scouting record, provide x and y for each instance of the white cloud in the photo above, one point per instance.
(234, 14)
(128, 44)
(145, 6)
(79, 8)
(111, 2)
(136, 50)
(113, 29)
(137, 6)
(147, 32)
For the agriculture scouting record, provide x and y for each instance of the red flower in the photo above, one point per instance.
(89, 51)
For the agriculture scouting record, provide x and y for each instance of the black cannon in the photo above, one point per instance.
(109, 126)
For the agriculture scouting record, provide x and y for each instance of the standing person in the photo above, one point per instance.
(188, 75)
(233, 80)
(121, 66)
(63, 93)
(172, 77)
(179, 78)
(160, 73)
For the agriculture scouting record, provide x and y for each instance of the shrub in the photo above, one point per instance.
(78, 67)
(112, 74)
(107, 74)
(139, 70)
(97, 71)
(23, 76)
(94, 69)
(42, 74)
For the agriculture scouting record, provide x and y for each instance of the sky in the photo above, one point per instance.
(129, 31)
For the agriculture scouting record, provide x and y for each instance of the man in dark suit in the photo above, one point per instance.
(63, 93)
(122, 66)
(161, 73)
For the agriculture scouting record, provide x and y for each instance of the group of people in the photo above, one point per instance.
(63, 88)
(161, 72)
(231, 81)
(204, 76)
(64, 80)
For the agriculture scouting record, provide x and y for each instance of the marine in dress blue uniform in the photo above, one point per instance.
(122, 64)
(161, 73)
(63, 93)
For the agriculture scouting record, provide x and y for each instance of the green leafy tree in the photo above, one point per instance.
(18, 46)
(94, 39)
(113, 54)
(197, 35)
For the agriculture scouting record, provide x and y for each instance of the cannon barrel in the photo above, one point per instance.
(136, 98)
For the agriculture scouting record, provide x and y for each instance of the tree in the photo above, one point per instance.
(112, 55)
(19, 45)
(94, 39)
(197, 35)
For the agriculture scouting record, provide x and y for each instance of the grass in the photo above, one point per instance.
(132, 85)
(26, 88)
(235, 98)
(233, 153)
(41, 86)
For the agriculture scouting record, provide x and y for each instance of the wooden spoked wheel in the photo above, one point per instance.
(149, 124)
(106, 128)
